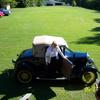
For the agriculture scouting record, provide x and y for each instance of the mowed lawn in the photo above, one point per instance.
(78, 26)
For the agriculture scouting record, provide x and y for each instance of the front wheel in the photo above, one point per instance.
(89, 77)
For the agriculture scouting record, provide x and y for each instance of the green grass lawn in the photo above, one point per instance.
(79, 27)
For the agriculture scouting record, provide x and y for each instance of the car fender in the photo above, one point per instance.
(26, 63)
(88, 68)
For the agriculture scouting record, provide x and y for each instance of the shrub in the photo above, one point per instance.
(12, 3)
(91, 4)
(22, 3)
(28, 3)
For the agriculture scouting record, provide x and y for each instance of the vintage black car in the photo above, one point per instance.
(30, 64)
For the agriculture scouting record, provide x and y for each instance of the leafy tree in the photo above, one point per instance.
(11, 2)
(7, 1)
(74, 3)
(26, 3)
(91, 4)
(97, 3)
(38, 2)
(22, 3)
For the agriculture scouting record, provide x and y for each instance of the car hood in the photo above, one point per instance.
(76, 54)
(81, 55)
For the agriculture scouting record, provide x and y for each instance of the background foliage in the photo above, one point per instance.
(28, 3)
(91, 4)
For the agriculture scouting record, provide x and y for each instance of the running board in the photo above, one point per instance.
(62, 78)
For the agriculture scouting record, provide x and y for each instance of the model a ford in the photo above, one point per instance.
(30, 64)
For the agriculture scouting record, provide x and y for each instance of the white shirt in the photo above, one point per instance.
(53, 52)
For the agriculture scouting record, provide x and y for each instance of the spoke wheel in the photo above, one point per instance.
(24, 76)
(89, 77)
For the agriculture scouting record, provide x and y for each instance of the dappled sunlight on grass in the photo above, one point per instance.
(90, 89)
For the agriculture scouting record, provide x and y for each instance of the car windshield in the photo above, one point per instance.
(68, 52)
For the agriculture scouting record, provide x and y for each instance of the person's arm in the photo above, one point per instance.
(47, 56)
(60, 52)
(62, 55)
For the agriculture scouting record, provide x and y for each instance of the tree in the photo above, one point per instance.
(98, 4)
(7, 1)
(38, 2)
(10, 2)
(91, 4)
(28, 3)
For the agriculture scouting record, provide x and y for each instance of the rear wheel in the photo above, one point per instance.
(89, 77)
(24, 76)
(23, 71)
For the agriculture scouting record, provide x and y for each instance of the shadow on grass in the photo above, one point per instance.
(96, 29)
(40, 89)
(97, 20)
(90, 40)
